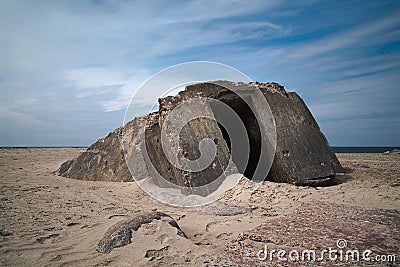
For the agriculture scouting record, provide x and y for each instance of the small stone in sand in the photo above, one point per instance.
(362, 165)
(120, 234)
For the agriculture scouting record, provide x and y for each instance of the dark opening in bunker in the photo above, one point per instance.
(246, 166)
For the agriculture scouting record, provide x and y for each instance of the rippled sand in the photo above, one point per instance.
(51, 220)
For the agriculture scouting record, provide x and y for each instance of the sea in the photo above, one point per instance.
(336, 149)
(363, 149)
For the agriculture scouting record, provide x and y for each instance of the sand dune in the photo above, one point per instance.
(47, 220)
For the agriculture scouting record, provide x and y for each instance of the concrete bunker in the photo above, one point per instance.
(246, 166)
(302, 156)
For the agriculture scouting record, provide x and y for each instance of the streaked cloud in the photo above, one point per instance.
(13, 117)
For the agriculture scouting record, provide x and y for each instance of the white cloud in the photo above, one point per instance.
(206, 10)
(22, 102)
(364, 35)
(361, 97)
(123, 95)
(94, 77)
(18, 117)
(382, 131)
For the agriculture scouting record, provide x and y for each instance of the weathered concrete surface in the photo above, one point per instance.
(104, 160)
(188, 144)
(303, 155)
(120, 234)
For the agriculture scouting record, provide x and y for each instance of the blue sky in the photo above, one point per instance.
(69, 68)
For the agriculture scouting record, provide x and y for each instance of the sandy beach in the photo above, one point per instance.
(48, 220)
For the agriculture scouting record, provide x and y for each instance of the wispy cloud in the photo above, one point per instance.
(94, 77)
(124, 94)
(17, 117)
(367, 34)
(365, 131)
